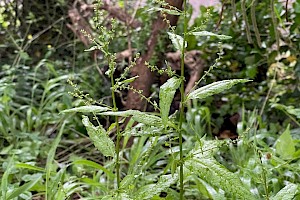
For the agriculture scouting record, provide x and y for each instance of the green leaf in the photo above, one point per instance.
(285, 146)
(138, 116)
(214, 88)
(23, 188)
(99, 137)
(92, 182)
(177, 41)
(168, 11)
(31, 167)
(290, 109)
(108, 197)
(55, 186)
(52, 184)
(166, 95)
(92, 48)
(117, 196)
(126, 81)
(127, 180)
(5, 176)
(94, 165)
(202, 163)
(93, 109)
(286, 193)
(148, 191)
(206, 33)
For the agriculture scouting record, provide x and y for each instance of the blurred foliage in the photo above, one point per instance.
(270, 67)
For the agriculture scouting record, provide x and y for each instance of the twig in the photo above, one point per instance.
(220, 16)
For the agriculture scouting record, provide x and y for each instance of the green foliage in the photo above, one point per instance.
(99, 137)
(166, 95)
(285, 146)
(148, 191)
(286, 193)
(202, 164)
(206, 33)
(177, 41)
(213, 88)
(89, 109)
(262, 163)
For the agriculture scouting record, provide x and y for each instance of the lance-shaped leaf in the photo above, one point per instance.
(166, 95)
(201, 162)
(206, 33)
(177, 41)
(168, 11)
(25, 187)
(138, 116)
(92, 48)
(126, 81)
(99, 137)
(215, 174)
(286, 193)
(88, 109)
(148, 191)
(95, 165)
(214, 88)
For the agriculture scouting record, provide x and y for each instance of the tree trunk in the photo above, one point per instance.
(146, 77)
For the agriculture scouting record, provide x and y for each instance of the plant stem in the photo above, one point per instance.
(182, 104)
(117, 129)
(253, 18)
(247, 27)
(274, 21)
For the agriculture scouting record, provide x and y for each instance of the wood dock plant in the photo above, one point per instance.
(198, 160)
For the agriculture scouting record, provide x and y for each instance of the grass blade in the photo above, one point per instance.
(23, 188)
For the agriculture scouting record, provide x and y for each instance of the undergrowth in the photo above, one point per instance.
(171, 156)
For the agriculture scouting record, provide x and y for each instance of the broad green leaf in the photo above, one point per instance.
(206, 33)
(168, 11)
(138, 116)
(99, 137)
(94, 165)
(202, 163)
(177, 41)
(123, 196)
(93, 109)
(148, 191)
(214, 88)
(127, 180)
(166, 95)
(286, 193)
(285, 146)
(23, 188)
(218, 176)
